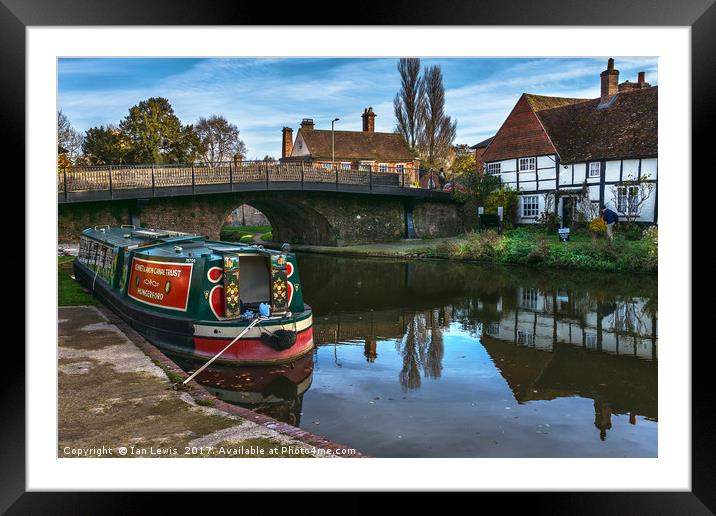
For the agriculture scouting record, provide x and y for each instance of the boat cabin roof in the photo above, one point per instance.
(167, 243)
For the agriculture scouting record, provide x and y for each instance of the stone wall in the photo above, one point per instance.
(315, 218)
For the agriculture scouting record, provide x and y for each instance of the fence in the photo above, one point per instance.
(121, 179)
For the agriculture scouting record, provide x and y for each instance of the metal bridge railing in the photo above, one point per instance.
(124, 178)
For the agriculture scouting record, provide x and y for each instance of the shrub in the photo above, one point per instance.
(549, 220)
(246, 239)
(598, 226)
(629, 230)
(650, 237)
(507, 198)
(539, 252)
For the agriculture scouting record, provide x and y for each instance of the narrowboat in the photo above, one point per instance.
(192, 296)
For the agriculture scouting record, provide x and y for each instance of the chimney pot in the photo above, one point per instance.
(368, 120)
(307, 123)
(610, 81)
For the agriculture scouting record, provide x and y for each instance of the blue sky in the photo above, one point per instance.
(261, 96)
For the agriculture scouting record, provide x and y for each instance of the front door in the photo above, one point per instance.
(567, 211)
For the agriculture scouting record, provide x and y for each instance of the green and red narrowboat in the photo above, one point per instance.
(192, 296)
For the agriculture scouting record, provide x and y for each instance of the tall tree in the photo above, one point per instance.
(439, 130)
(218, 140)
(408, 102)
(68, 137)
(105, 145)
(156, 134)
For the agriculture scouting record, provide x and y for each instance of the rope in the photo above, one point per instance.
(253, 323)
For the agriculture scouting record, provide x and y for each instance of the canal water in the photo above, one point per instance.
(438, 359)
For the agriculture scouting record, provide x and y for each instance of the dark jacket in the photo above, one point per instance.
(609, 216)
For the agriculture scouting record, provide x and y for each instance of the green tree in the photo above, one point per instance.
(105, 146)
(463, 163)
(156, 134)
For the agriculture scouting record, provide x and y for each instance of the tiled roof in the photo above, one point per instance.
(483, 143)
(625, 129)
(579, 130)
(356, 145)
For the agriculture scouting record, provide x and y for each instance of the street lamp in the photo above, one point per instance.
(333, 142)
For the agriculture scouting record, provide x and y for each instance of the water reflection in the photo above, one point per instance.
(441, 359)
(549, 335)
(276, 391)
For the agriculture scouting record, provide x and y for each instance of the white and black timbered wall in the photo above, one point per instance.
(534, 176)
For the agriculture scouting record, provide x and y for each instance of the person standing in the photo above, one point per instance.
(611, 218)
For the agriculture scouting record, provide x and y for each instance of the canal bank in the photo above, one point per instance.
(522, 246)
(115, 395)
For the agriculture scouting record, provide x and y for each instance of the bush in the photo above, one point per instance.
(629, 230)
(246, 239)
(650, 236)
(598, 226)
(507, 198)
(549, 221)
(539, 252)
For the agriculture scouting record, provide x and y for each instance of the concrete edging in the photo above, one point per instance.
(198, 392)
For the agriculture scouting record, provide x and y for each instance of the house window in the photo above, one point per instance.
(525, 338)
(328, 166)
(528, 164)
(346, 166)
(383, 167)
(590, 340)
(530, 206)
(365, 166)
(400, 168)
(627, 199)
(493, 168)
(595, 169)
(529, 298)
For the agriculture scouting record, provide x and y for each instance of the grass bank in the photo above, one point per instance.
(69, 292)
(630, 251)
(245, 233)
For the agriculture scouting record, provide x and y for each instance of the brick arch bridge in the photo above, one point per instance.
(317, 218)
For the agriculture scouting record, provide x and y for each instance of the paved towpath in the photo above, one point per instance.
(115, 395)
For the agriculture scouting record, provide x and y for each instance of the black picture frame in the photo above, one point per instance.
(17, 15)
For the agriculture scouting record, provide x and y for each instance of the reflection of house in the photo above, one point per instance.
(365, 150)
(556, 145)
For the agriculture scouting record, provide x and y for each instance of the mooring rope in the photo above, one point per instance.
(253, 323)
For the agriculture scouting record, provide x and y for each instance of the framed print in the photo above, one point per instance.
(402, 246)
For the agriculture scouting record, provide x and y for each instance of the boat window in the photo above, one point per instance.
(254, 280)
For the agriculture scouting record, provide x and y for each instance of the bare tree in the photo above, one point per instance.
(68, 137)
(408, 102)
(630, 195)
(438, 132)
(219, 140)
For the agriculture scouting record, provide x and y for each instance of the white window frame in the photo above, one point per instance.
(365, 166)
(527, 164)
(623, 198)
(328, 166)
(493, 168)
(383, 168)
(531, 200)
(595, 171)
(346, 165)
(399, 168)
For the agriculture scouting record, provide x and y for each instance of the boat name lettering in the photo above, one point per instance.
(159, 271)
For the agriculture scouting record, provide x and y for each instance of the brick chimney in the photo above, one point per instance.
(642, 77)
(307, 123)
(610, 81)
(287, 142)
(368, 120)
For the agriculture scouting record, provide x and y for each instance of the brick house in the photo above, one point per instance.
(479, 149)
(565, 146)
(365, 150)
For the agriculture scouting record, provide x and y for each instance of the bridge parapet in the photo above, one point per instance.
(92, 183)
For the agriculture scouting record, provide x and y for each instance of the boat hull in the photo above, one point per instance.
(204, 339)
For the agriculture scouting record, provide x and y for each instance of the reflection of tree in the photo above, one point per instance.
(422, 347)
(602, 417)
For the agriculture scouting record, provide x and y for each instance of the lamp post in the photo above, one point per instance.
(333, 142)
